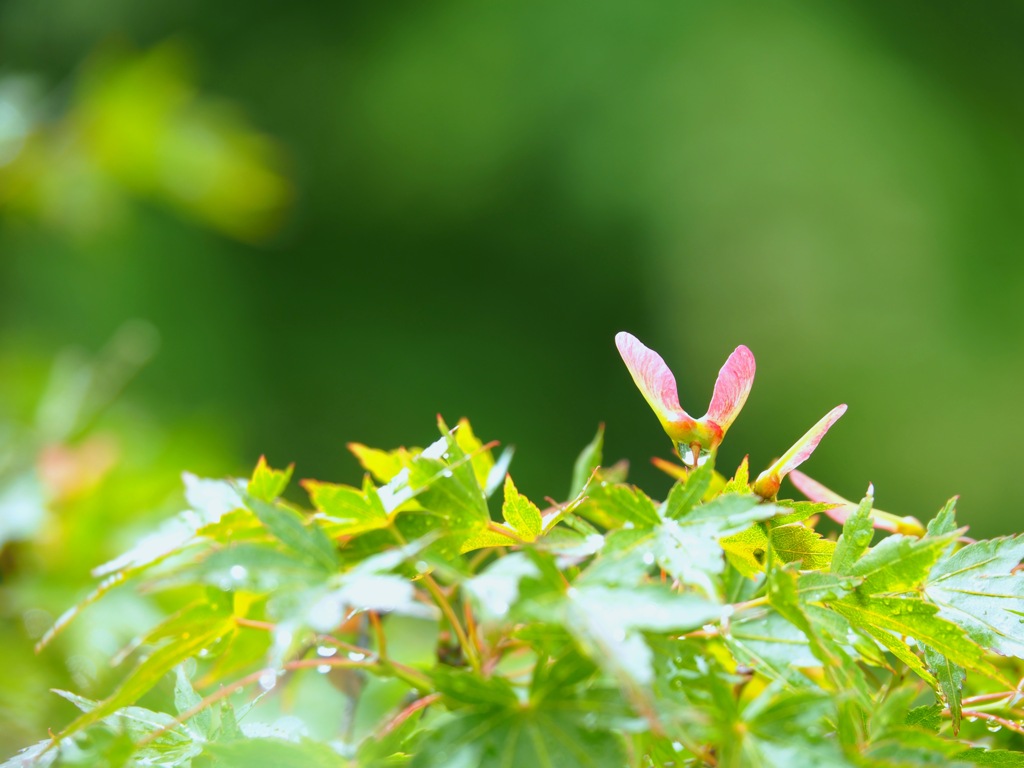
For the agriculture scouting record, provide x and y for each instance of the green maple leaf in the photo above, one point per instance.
(347, 511)
(799, 544)
(588, 461)
(951, 678)
(494, 725)
(888, 619)
(844, 677)
(898, 563)
(975, 589)
(267, 484)
(690, 548)
(767, 642)
(858, 530)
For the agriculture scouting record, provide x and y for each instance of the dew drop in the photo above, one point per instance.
(687, 455)
(356, 656)
(993, 727)
(649, 558)
(323, 669)
(268, 680)
(972, 719)
(326, 651)
(238, 572)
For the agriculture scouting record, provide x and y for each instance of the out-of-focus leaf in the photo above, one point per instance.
(689, 548)
(913, 746)
(446, 485)
(272, 753)
(39, 755)
(480, 457)
(185, 698)
(347, 511)
(493, 726)
(684, 496)
(174, 746)
(740, 481)
(383, 465)
(256, 566)
(520, 513)
(267, 484)
(614, 504)
(975, 589)
(928, 717)
(190, 631)
(608, 622)
(589, 459)
(772, 645)
(998, 758)
(304, 536)
(951, 682)
(845, 678)
(522, 518)
(495, 590)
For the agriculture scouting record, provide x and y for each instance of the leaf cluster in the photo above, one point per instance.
(462, 624)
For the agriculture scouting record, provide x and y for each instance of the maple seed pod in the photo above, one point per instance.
(657, 384)
(768, 482)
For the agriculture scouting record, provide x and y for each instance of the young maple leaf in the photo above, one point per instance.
(692, 437)
(768, 482)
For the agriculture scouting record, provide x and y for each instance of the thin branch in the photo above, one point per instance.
(446, 608)
(408, 712)
(378, 631)
(1002, 721)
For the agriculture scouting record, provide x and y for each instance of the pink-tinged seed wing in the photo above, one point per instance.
(732, 387)
(804, 447)
(653, 378)
(768, 482)
(814, 490)
(884, 521)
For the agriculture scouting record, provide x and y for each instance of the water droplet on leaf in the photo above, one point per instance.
(268, 680)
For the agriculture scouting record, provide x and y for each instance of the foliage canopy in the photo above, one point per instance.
(465, 625)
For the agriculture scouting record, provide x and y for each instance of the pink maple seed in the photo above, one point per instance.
(658, 386)
(694, 439)
(843, 508)
(768, 482)
(731, 388)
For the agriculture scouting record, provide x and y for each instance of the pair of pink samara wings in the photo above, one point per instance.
(695, 439)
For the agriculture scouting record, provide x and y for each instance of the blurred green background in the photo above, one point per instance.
(305, 224)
